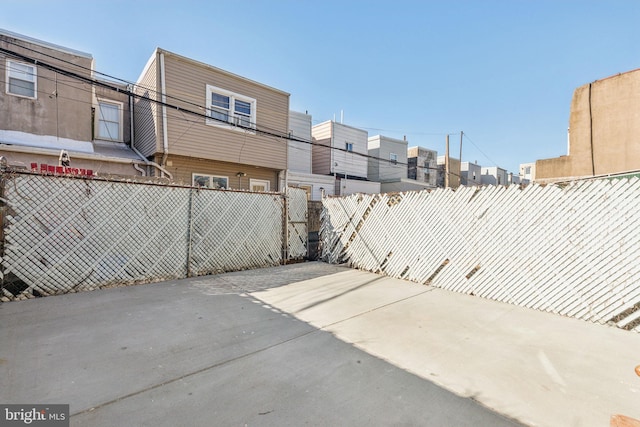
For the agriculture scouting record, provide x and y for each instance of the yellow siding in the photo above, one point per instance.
(182, 169)
(146, 112)
(188, 135)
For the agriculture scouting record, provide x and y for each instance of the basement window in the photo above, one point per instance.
(210, 181)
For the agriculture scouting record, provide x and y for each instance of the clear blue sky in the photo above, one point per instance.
(502, 71)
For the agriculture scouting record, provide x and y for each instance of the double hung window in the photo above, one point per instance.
(110, 121)
(230, 110)
(21, 79)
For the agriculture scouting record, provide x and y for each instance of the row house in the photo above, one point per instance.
(452, 177)
(299, 159)
(53, 111)
(494, 175)
(194, 124)
(470, 174)
(209, 127)
(422, 165)
(341, 151)
(395, 165)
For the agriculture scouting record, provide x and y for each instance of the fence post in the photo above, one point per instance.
(285, 227)
(189, 233)
(3, 213)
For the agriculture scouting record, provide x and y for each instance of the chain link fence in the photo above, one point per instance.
(68, 234)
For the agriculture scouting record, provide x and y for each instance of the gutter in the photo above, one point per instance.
(134, 149)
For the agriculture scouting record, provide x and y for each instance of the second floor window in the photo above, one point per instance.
(394, 158)
(348, 146)
(227, 109)
(21, 79)
(109, 121)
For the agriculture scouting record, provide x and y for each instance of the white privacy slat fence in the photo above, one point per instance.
(64, 234)
(297, 238)
(572, 250)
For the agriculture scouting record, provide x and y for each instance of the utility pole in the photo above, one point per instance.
(460, 167)
(446, 164)
(461, 133)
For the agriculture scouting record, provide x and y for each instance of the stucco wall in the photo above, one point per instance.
(62, 105)
(604, 114)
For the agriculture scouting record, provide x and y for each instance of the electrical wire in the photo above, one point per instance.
(263, 130)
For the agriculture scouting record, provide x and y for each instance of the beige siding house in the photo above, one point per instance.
(211, 128)
(604, 124)
(50, 101)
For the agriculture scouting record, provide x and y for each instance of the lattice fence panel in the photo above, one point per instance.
(570, 250)
(297, 240)
(64, 234)
(235, 231)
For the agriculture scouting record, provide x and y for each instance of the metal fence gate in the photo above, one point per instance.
(571, 250)
(68, 234)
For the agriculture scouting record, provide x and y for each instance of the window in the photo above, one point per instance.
(348, 146)
(259, 185)
(230, 110)
(210, 181)
(527, 170)
(394, 158)
(109, 121)
(21, 79)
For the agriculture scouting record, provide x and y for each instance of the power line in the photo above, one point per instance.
(125, 91)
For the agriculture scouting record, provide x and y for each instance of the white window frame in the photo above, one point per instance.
(259, 182)
(393, 157)
(235, 119)
(120, 106)
(206, 175)
(34, 75)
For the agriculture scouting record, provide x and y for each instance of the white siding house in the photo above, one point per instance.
(388, 161)
(299, 153)
(339, 149)
(470, 174)
(494, 175)
(299, 160)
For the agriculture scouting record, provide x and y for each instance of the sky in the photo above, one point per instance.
(501, 71)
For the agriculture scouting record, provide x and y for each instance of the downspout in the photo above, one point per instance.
(165, 137)
(132, 142)
(133, 148)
